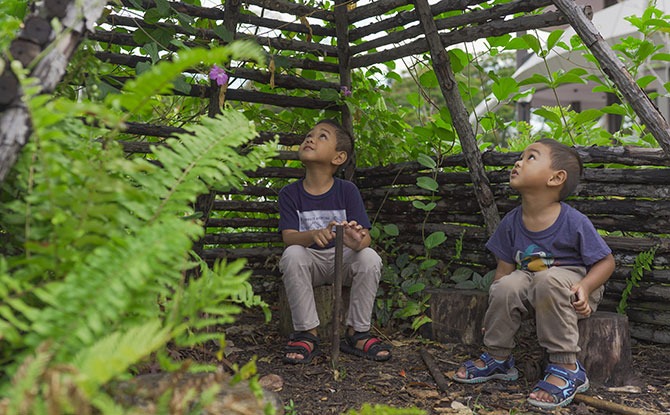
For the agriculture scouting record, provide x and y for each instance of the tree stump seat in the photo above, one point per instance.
(604, 337)
(324, 297)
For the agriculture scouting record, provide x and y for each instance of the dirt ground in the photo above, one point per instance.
(405, 381)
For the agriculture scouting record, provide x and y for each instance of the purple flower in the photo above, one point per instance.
(219, 75)
(345, 91)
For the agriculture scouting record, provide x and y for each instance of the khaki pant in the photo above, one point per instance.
(304, 268)
(547, 293)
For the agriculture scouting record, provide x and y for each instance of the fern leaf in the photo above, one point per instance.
(115, 353)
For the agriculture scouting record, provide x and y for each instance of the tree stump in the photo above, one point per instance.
(605, 342)
(324, 297)
(604, 338)
(458, 315)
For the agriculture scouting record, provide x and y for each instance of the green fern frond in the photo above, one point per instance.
(114, 354)
(100, 244)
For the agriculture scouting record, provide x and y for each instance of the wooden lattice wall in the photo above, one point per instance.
(300, 39)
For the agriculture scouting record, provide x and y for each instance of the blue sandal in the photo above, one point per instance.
(492, 370)
(575, 382)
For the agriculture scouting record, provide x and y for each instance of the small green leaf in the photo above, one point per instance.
(423, 206)
(426, 161)
(587, 115)
(434, 239)
(644, 81)
(428, 79)
(461, 274)
(420, 321)
(553, 38)
(427, 183)
(549, 115)
(504, 87)
(428, 263)
(415, 288)
(391, 229)
(329, 94)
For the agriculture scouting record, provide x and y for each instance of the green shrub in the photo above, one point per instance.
(92, 279)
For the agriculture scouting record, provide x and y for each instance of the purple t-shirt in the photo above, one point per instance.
(571, 241)
(302, 211)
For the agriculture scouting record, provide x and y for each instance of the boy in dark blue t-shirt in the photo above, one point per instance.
(551, 258)
(308, 211)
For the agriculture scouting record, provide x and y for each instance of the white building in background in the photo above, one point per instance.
(609, 18)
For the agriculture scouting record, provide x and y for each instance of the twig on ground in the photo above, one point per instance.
(610, 406)
(434, 370)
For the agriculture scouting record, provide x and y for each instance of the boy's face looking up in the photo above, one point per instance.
(320, 146)
(533, 171)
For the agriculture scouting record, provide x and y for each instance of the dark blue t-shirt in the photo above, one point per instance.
(302, 211)
(571, 241)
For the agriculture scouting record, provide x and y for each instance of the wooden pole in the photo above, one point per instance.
(617, 72)
(339, 248)
(344, 64)
(459, 116)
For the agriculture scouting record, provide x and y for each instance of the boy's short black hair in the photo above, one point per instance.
(565, 158)
(345, 142)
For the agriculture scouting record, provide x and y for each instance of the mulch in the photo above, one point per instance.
(405, 381)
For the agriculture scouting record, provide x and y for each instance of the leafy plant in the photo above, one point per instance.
(643, 261)
(92, 281)
(467, 279)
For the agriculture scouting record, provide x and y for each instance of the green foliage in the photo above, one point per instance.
(643, 261)
(468, 279)
(11, 18)
(92, 280)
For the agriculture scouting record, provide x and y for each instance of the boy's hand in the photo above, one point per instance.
(580, 300)
(354, 234)
(322, 237)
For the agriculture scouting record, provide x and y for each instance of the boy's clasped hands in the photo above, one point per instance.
(354, 234)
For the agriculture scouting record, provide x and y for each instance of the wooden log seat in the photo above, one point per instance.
(324, 297)
(604, 338)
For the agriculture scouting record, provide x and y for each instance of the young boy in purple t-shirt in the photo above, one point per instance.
(308, 211)
(550, 258)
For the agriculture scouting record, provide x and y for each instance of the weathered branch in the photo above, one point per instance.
(617, 72)
(459, 116)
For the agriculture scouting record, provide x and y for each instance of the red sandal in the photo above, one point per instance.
(298, 343)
